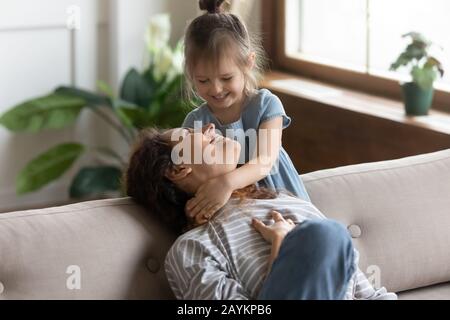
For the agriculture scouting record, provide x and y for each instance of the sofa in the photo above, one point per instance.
(397, 212)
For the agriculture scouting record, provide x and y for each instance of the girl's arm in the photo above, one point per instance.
(208, 199)
(267, 152)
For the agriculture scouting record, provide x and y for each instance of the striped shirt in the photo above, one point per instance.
(227, 259)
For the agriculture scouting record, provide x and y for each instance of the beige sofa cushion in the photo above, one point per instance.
(437, 292)
(399, 213)
(118, 247)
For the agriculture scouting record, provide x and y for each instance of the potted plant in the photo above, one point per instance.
(424, 69)
(150, 97)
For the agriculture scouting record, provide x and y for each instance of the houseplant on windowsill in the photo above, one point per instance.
(424, 69)
(151, 97)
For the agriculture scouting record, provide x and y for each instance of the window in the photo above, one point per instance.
(327, 31)
(391, 19)
(353, 42)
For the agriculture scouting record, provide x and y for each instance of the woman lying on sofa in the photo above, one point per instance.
(261, 245)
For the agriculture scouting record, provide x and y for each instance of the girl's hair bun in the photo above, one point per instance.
(211, 6)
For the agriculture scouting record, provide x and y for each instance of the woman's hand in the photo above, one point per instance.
(276, 231)
(274, 234)
(210, 197)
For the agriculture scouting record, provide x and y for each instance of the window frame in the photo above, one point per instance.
(273, 30)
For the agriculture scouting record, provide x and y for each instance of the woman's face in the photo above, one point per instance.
(207, 152)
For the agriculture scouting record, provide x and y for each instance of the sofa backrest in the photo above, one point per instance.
(105, 249)
(398, 213)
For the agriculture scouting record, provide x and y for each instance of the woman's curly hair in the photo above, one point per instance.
(146, 183)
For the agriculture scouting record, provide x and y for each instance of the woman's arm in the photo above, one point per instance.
(194, 274)
(365, 291)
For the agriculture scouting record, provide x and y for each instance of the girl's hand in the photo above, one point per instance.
(210, 197)
(276, 231)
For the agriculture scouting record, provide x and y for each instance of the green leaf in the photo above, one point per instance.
(417, 37)
(413, 51)
(172, 115)
(149, 76)
(95, 180)
(423, 68)
(154, 110)
(54, 111)
(136, 89)
(402, 60)
(424, 77)
(433, 62)
(175, 87)
(118, 103)
(47, 167)
(105, 89)
(92, 99)
(134, 117)
(123, 117)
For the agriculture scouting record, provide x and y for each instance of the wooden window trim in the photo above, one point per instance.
(273, 28)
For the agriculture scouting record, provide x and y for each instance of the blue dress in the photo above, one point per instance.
(261, 107)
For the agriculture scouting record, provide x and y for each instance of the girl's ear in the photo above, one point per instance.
(177, 173)
(251, 60)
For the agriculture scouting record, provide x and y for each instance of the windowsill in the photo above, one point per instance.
(354, 101)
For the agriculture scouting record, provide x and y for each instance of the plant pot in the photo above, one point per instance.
(417, 100)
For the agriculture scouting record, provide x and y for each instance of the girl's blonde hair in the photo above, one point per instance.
(215, 35)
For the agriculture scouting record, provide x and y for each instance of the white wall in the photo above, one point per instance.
(38, 53)
(128, 19)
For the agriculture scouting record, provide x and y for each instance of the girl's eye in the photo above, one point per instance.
(202, 81)
(227, 79)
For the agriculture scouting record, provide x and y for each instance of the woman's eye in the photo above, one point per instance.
(227, 79)
(202, 81)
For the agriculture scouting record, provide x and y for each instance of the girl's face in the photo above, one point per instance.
(220, 85)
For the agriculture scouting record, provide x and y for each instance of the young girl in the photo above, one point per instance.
(222, 65)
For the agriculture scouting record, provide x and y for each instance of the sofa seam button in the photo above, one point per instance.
(153, 265)
(354, 230)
